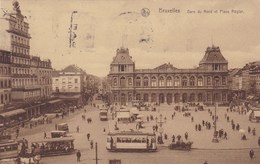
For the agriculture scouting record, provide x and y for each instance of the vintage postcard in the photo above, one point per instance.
(129, 82)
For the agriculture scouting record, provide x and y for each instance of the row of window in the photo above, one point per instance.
(5, 83)
(33, 81)
(18, 60)
(27, 71)
(20, 50)
(183, 81)
(5, 70)
(19, 39)
(5, 98)
(19, 25)
(32, 94)
(4, 57)
(175, 97)
(64, 80)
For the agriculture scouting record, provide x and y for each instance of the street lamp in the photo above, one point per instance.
(215, 135)
(161, 129)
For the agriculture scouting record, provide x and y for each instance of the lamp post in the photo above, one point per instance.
(215, 136)
(161, 129)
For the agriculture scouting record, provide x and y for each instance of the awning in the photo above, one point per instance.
(12, 113)
(70, 97)
(257, 113)
(54, 101)
(134, 111)
(123, 115)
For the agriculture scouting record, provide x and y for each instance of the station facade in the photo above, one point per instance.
(166, 84)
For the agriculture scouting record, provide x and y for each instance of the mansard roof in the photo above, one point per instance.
(73, 68)
(213, 55)
(122, 57)
(166, 66)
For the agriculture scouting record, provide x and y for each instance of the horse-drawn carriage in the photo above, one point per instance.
(180, 145)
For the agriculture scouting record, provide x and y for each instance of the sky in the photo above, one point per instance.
(179, 38)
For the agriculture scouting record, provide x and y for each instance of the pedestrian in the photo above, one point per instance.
(165, 136)
(199, 127)
(77, 129)
(233, 126)
(173, 138)
(147, 119)
(78, 154)
(104, 131)
(248, 129)
(88, 136)
(186, 135)
(205, 162)
(203, 122)
(251, 154)
(172, 116)
(196, 127)
(227, 118)
(238, 126)
(44, 135)
(225, 135)
(91, 144)
(192, 119)
(253, 131)
(258, 141)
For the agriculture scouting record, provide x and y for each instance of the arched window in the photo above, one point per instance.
(200, 81)
(130, 81)
(177, 81)
(169, 81)
(216, 81)
(115, 82)
(138, 81)
(146, 81)
(208, 80)
(224, 81)
(184, 81)
(153, 81)
(161, 82)
(122, 82)
(192, 81)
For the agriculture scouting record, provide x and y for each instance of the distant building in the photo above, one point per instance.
(68, 84)
(30, 76)
(5, 78)
(245, 81)
(167, 84)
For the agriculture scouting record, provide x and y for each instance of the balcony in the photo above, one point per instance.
(19, 32)
(25, 88)
(21, 76)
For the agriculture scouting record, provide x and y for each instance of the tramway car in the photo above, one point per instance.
(131, 141)
(56, 146)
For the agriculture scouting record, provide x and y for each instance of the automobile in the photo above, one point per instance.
(63, 127)
(58, 134)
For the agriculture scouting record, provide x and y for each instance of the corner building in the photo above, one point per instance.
(167, 84)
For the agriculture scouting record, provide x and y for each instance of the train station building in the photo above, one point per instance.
(166, 84)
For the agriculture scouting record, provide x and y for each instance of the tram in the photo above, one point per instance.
(9, 149)
(131, 141)
(103, 116)
(56, 146)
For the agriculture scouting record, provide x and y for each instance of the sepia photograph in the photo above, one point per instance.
(129, 82)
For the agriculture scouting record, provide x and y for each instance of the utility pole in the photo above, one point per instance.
(96, 153)
(71, 30)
